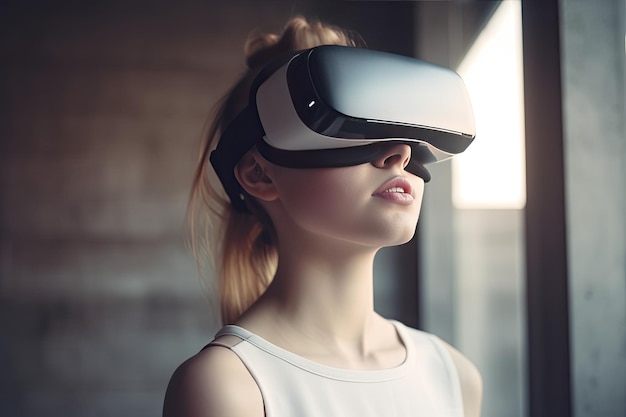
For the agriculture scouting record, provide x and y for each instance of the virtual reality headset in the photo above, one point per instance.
(335, 106)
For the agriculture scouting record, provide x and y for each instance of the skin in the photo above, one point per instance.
(330, 223)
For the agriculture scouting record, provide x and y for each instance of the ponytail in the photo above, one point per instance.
(241, 247)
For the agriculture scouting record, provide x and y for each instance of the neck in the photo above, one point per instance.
(336, 298)
(323, 294)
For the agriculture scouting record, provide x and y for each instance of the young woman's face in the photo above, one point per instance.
(373, 204)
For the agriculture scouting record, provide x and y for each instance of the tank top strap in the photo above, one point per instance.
(228, 337)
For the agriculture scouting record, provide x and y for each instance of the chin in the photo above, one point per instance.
(394, 237)
(403, 239)
(400, 232)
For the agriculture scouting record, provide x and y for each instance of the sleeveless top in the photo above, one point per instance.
(426, 383)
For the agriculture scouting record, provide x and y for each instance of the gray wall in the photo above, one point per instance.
(594, 113)
(103, 106)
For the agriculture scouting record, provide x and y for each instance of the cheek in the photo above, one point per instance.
(319, 192)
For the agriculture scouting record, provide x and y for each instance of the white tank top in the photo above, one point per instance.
(426, 383)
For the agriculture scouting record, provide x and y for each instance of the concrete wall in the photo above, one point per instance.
(102, 110)
(594, 113)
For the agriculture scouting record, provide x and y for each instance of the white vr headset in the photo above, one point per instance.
(336, 106)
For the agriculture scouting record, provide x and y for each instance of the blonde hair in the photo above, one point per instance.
(242, 246)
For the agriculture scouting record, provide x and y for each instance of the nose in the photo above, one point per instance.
(394, 154)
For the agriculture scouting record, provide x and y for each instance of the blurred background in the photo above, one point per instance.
(520, 255)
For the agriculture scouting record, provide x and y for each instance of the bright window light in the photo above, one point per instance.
(491, 173)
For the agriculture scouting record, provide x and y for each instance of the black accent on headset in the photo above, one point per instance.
(341, 157)
(244, 131)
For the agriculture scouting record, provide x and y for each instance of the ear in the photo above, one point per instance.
(252, 175)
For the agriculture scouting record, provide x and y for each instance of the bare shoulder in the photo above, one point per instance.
(214, 382)
(471, 382)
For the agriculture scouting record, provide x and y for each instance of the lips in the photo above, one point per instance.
(397, 189)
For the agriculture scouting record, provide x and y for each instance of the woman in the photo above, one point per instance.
(296, 285)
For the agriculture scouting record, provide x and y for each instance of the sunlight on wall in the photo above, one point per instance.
(491, 173)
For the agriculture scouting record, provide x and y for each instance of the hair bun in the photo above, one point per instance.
(297, 34)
